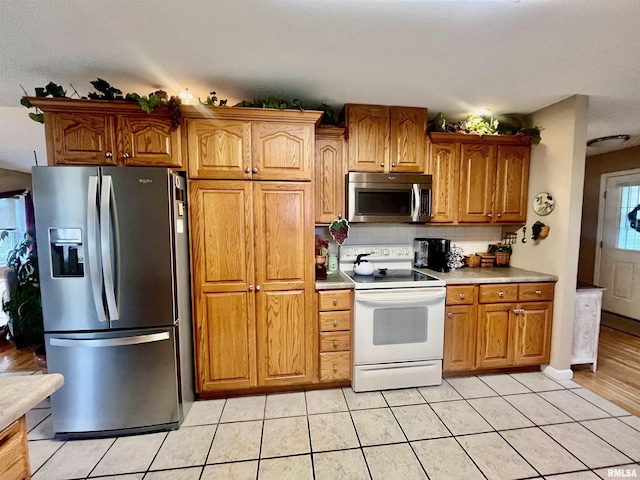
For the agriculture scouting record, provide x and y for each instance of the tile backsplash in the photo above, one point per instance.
(471, 239)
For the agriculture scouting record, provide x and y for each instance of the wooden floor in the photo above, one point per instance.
(14, 360)
(618, 374)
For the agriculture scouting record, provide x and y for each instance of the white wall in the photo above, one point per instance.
(19, 137)
(557, 167)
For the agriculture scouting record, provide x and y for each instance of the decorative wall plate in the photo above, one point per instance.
(543, 203)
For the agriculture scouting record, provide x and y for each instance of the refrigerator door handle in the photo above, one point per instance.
(92, 248)
(109, 342)
(105, 241)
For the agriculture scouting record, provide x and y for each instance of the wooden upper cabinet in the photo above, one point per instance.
(250, 143)
(219, 148)
(281, 151)
(386, 139)
(444, 163)
(407, 139)
(331, 168)
(148, 141)
(80, 139)
(98, 132)
(477, 171)
(479, 179)
(512, 184)
(368, 127)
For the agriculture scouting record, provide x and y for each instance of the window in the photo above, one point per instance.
(629, 238)
(13, 221)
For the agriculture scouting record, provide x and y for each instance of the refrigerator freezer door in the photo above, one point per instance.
(66, 204)
(114, 381)
(140, 267)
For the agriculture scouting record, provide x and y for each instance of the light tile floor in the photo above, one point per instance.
(504, 426)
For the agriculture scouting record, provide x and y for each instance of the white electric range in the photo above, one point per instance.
(398, 320)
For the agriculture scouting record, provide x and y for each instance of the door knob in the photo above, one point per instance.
(247, 170)
(489, 215)
(126, 155)
(499, 215)
(335, 301)
(251, 288)
(336, 343)
(501, 294)
(393, 164)
(335, 368)
(257, 288)
(538, 292)
(108, 154)
(382, 164)
(335, 323)
(255, 169)
(462, 295)
(449, 314)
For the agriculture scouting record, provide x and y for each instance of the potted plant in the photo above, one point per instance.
(24, 306)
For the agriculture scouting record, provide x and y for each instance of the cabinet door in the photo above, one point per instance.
(459, 338)
(512, 184)
(477, 172)
(287, 332)
(331, 169)
(443, 167)
(533, 337)
(225, 334)
(407, 139)
(80, 139)
(368, 127)
(148, 141)
(281, 151)
(495, 335)
(219, 148)
(222, 276)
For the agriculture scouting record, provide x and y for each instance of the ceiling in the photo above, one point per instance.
(451, 56)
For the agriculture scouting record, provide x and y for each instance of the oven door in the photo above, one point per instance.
(398, 325)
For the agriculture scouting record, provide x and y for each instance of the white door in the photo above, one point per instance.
(620, 253)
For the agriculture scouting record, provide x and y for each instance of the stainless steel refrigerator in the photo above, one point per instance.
(113, 256)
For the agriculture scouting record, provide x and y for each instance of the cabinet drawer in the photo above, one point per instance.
(335, 366)
(535, 291)
(504, 292)
(461, 295)
(335, 300)
(331, 321)
(14, 460)
(335, 341)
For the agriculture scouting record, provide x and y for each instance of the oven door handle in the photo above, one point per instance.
(406, 298)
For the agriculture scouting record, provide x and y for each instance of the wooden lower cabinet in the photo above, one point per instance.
(253, 284)
(334, 338)
(14, 451)
(499, 327)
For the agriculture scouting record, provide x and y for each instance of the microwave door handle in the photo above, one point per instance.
(415, 197)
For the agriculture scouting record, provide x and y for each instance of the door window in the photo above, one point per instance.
(629, 225)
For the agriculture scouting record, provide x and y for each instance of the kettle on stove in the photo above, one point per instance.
(363, 267)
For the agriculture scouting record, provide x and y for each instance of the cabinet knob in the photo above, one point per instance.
(538, 292)
(251, 288)
(336, 343)
(255, 170)
(335, 368)
(489, 215)
(382, 164)
(462, 295)
(335, 323)
(516, 311)
(432, 215)
(499, 215)
(247, 170)
(108, 154)
(393, 164)
(449, 314)
(501, 294)
(126, 155)
(335, 301)
(257, 288)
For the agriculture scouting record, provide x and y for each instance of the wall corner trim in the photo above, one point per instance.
(556, 374)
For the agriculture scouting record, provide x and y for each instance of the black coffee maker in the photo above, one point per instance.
(437, 250)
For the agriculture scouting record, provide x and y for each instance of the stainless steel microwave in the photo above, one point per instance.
(388, 197)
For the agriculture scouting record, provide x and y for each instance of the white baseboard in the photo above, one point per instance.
(555, 373)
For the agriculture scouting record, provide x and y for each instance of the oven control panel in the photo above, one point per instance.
(385, 252)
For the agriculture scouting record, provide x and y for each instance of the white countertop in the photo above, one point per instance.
(20, 393)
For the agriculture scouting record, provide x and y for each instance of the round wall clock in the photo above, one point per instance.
(543, 203)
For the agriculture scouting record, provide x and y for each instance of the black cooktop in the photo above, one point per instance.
(383, 275)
